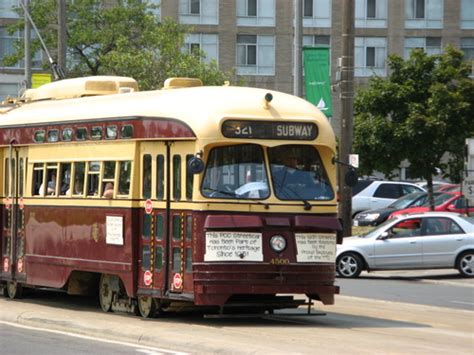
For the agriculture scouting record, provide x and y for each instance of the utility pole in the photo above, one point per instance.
(62, 42)
(27, 38)
(347, 101)
(297, 48)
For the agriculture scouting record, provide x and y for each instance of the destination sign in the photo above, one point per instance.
(269, 130)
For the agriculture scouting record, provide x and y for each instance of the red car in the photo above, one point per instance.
(448, 201)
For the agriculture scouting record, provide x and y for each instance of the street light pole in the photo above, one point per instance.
(297, 48)
(347, 101)
(27, 38)
(62, 44)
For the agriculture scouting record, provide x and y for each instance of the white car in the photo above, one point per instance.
(415, 241)
(373, 194)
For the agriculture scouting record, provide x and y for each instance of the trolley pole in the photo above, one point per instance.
(297, 48)
(347, 100)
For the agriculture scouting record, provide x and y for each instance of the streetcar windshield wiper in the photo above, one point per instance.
(211, 192)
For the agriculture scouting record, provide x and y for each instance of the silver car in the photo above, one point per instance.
(417, 241)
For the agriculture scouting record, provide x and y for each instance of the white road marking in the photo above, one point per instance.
(139, 348)
(461, 302)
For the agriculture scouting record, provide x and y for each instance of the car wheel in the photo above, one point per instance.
(465, 264)
(349, 265)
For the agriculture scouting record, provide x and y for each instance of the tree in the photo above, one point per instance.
(126, 39)
(422, 112)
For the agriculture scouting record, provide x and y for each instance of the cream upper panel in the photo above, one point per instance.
(202, 108)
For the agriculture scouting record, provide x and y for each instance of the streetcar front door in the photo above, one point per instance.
(13, 221)
(165, 261)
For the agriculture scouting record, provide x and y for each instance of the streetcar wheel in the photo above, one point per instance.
(14, 289)
(105, 293)
(349, 265)
(465, 264)
(146, 306)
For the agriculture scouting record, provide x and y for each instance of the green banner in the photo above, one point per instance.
(317, 78)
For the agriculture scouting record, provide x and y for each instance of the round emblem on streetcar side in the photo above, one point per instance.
(148, 206)
(21, 203)
(177, 281)
(19, 265)
(147, 278)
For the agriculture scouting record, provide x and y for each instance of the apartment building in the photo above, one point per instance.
(255, 37)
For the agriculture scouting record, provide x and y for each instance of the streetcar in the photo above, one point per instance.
(217, 197)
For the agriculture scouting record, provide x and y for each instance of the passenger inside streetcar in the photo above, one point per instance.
(108, 190)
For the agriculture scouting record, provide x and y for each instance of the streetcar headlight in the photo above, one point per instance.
(278, 243)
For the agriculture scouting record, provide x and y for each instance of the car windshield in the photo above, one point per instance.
(439, 199)
(468, 219)
(298, 173)
(377, 230)
(405, 201)
(236, 172)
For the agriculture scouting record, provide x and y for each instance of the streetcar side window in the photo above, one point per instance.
(96, 133)
(176, 260)
(21, 177)
(160, 177)
(51, 179)
(189, 259)
(124, 177)
(93, 178)
(7, 177)
(189, 179)
(67, 134)
(65, 178)
(146, 182)
(79, 177)
(53, 135)
(158, 258)
(146, 257)
(81, 134)
(111, 132)
(177, 177)
(108, 179)
(38, 172)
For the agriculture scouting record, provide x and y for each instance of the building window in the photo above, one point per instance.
(7, 47)
(195, 7)
(198, 12)
(371, 13)
(207, 43)
(424, 13)
(255, 12)
(467, 14)
(9, 90)
(7, 8)
(317, 13)
(255, 55)
(467, 46)
(431, 45)
(156, 11)
(317, 41)
(370, 56)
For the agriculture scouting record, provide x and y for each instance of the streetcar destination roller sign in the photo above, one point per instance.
(270, 130)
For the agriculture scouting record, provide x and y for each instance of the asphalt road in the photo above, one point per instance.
(22, 340)
(441, 290)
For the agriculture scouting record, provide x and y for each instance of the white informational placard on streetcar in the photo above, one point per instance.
(312, 247)
(114, 230)
(233, 246)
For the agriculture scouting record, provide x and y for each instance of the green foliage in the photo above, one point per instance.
(121, 40)
(422, 112)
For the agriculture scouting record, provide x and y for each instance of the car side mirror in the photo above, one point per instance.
(384, 235)
(452, 208)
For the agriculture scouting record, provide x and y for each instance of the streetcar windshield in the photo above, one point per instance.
(298, 174)
(236, 172)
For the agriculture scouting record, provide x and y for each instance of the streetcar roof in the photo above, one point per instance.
(203, 109)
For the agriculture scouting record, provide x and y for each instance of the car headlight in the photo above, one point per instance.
(372, 216)
(278, 243)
